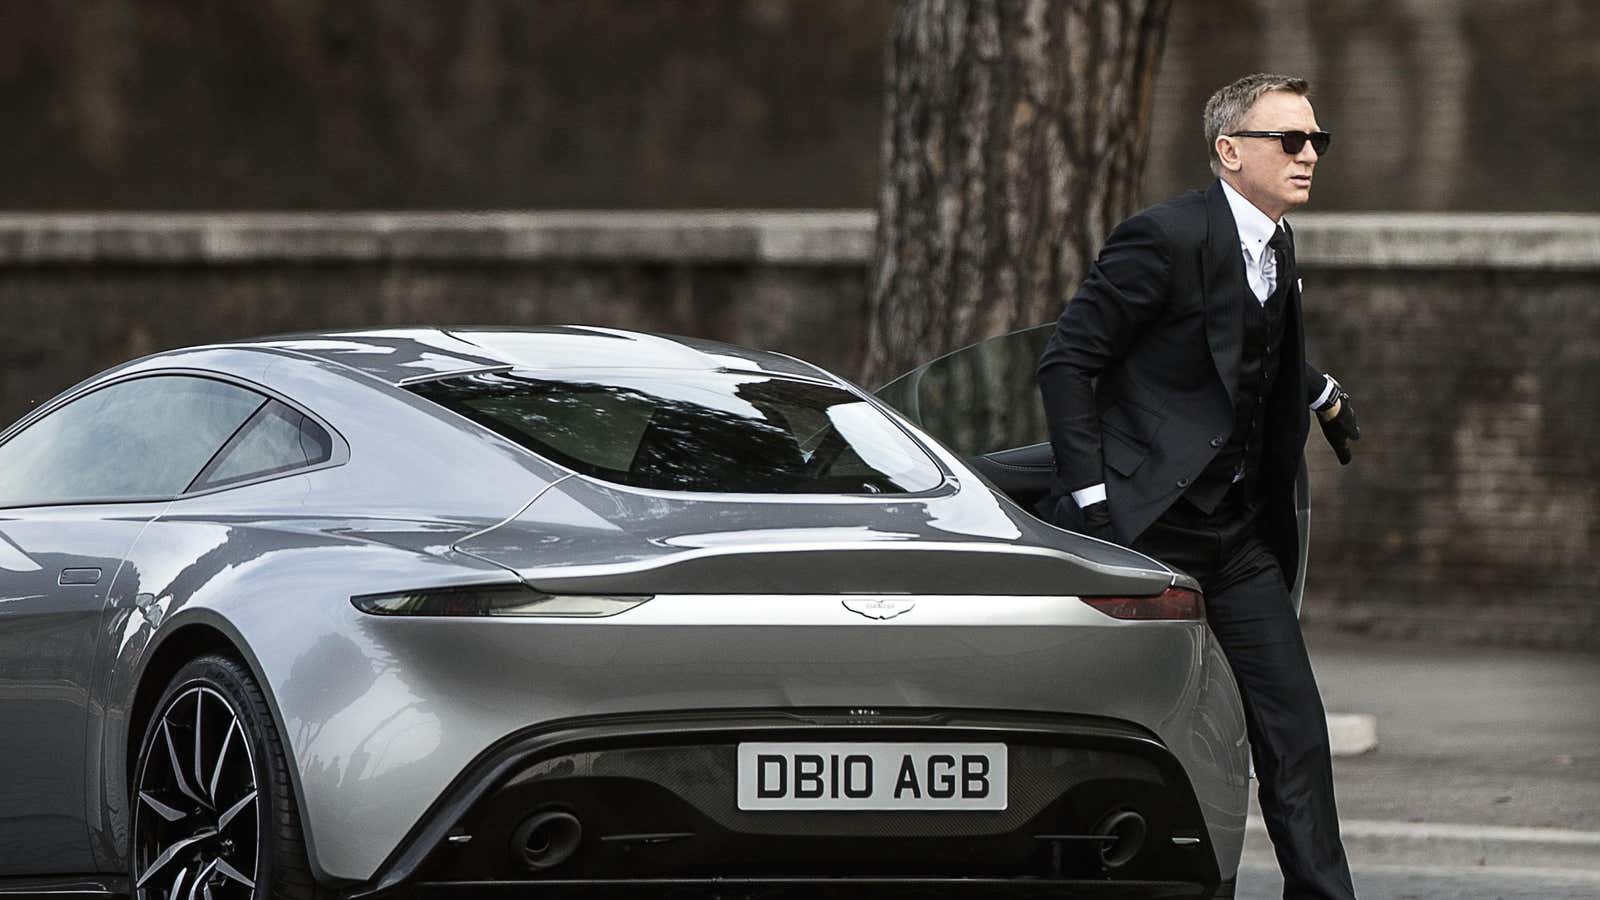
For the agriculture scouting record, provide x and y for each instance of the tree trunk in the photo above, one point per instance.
(1014, 138)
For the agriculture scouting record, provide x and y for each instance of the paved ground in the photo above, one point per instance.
(1466, 734)
(1261, 882)
(1504, 743)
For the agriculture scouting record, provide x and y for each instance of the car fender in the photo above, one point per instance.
(286, 612)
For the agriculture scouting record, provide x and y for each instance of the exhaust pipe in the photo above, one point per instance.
(546, 839)
(1129, 830)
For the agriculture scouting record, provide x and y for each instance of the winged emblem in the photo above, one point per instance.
(874, 608)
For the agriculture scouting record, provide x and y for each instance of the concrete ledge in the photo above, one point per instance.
(1550, 242)
(1352, 734)
(1553, 241)
(746, 237)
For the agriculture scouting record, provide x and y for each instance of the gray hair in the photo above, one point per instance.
(1226, 109)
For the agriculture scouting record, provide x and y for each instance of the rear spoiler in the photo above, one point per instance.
(879, 567)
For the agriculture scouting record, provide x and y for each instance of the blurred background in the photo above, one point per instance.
(733, 104)
(179, 172)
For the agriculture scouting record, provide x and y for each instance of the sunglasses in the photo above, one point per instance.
(1293, 141)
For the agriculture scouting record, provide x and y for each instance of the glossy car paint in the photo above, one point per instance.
(50, 642)
(379, 714)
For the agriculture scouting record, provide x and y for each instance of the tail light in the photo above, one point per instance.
(1172, 603)
(496, 600)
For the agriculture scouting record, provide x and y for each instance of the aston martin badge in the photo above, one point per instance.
(874, 608)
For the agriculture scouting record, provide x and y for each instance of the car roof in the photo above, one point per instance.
(412, 354)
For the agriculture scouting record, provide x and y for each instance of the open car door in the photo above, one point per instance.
(982, 401)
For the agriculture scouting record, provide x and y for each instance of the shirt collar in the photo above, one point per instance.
(1255, 228)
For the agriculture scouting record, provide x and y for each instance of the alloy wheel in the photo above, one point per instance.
(196, 823)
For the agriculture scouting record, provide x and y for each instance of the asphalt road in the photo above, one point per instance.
(1474, 735)
(1258, 881)
(1495, 741)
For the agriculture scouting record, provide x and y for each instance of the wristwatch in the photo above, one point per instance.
(1334, 396)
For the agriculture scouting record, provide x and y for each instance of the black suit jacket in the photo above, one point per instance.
(1140, 377)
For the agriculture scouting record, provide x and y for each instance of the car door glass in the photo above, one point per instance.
(276, 439)
(981, 398)
(141, 438)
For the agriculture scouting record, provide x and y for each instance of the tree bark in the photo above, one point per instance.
(1014, 138)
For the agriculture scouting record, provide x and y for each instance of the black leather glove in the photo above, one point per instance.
(1342, 428)
(1097, 520)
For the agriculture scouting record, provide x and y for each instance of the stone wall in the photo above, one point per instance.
(1470, 343)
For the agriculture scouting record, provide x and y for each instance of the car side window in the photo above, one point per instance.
(140, 438)
(276, 439)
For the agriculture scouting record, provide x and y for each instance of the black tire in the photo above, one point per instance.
(175, 803)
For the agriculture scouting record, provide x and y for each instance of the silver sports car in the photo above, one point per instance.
(426, 611)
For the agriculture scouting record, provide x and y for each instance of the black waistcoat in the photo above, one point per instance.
(1258, 371)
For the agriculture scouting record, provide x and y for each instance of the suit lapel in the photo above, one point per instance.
(1293, 296)
(1294, 345)
(1223, 268)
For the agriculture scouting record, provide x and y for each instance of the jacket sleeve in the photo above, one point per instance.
(1125, 290)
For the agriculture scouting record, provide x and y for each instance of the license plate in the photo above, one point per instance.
(879, 776)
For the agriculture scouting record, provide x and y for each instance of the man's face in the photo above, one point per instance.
(1273, 180)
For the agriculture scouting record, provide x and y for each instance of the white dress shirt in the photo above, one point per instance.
(1255, 230)
(1260, 272)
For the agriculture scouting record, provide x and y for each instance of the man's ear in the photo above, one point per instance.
(1228, 154)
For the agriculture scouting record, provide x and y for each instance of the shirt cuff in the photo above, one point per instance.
(1327, 391)
(1094, 493)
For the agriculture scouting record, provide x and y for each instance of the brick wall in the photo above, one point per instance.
(1473, 507)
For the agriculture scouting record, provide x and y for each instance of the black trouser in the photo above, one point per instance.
(1248, 609)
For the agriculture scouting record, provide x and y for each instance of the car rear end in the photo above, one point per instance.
(693, 739)
(715, 672)
(1029, 741)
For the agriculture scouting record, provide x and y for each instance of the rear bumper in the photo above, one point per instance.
(655, 794)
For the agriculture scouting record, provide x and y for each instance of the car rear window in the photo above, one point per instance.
(696, 430)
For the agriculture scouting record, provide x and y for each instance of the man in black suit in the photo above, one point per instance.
(1179, 399)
